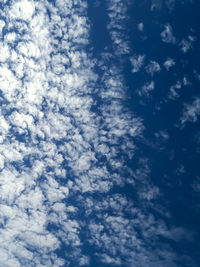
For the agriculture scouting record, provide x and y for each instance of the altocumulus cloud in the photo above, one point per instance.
(51, 141)
(62, 151)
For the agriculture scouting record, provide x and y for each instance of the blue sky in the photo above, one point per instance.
(99, 133)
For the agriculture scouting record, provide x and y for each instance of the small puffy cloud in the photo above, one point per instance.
(167, 34)
(117, 13)
(4, 125)
(162, 136)
(186, 81)
(84, 260)
(140, 26)
(4, 52)
(152, 68)
(10, 37)
(169, 63)
(137, 62)
(146, 88)
(28, 49)
(156, 5)
(191, 111)
(187, 44)
(2, 24)
(23, 9)
(174, 90)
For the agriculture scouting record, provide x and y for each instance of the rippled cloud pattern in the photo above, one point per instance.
(99, 138)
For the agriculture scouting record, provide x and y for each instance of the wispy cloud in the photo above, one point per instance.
(146, 89)
(152, 68)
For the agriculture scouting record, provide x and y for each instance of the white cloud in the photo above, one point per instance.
(4, 53)
(23, 9)
(137, 62)
(191, 111)
(174, 90)
(2, 25)
(60, 148)
(10, 37)
(146, 88)
(118, 15)
(141, 26)
(169, 63)
(149, 193)
(186, 81)
(52, 143)
(156, 5)
(186, 45)
(28, 86)
(167, 34)
(152, 68)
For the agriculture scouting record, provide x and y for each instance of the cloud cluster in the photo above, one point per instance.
(54, 142)
(125, 235)
(67, 142)
(118, 15)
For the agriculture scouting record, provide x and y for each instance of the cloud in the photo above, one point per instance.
(149, 193)
(156, 5)
(56, 142)
(66, 141)
(152, 68)
(118, 15)
(167, 34)
(191, 111)
(169, 63)
(137, 62)
(174, 90)
(186, 45)
(31, 124)
(146, 88)
(23, 9)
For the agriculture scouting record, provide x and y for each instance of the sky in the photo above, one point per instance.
(99, 133)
